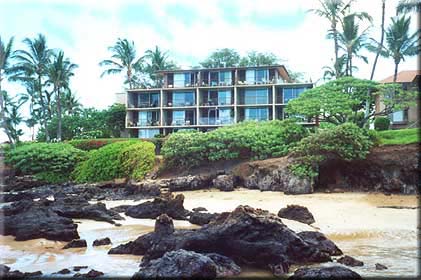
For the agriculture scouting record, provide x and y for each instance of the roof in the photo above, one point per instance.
(407, 76)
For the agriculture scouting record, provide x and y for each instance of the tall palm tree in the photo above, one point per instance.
(351, 40)
(32, 65)
(123, 59)
(157, 60)
(31, 96)
(407, 6)
(399, 42)
(12, 117)
(5, 57)
(379, 47)
(70, 103)
(59, 73)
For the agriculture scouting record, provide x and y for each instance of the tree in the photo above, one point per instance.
(34, 110)
(5, 57)
(123, 59)
(32, 65)
(11, 117)
(157, 60)
(352, 41)
(70, 103)
(379, 47)
(116, 119)
(330, 72)
(407, 6)
(59, 73)
(255, 58)
(346, 100)
(222, 58)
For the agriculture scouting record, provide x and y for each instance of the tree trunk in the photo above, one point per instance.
(395, 75)
(2, 116)
(335, 39)
(58, 115)
(44, 113)
(379, 48)
(350, 65)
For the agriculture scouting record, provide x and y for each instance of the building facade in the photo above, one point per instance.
(204, 99)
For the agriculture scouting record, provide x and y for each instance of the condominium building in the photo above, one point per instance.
(204, 99)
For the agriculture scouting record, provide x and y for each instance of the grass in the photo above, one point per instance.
(399, 136)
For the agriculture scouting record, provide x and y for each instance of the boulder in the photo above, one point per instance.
(190, 182)
(166, 204)
(120, 208)
(199, 218)
(319, 240)
(332, 272)
(63, 271)
(92, 274)
(77, 243)
(380, 266)
(224, 183)
(225, 266)
(102, 241)
(4, 269)
(349, 261)
(199, 209)
(27, 219)
(79, 267)
(297, 213)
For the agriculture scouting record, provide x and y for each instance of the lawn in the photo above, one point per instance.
(400, 136)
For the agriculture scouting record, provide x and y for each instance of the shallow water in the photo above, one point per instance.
(351, 220)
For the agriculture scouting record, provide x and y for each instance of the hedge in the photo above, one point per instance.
(246, 140)
(131, 159)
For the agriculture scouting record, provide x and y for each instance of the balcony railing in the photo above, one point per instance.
(215, 121)
(148, 104)
(215, 102)
(144, 123)
(257, 82)
(179, 122)
(180, 104)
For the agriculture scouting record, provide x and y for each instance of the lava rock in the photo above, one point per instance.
(224, 183)
(93, 274)
(63, 271)
(225, 266)
(199, 209)
(333, 272)
(79, 267)
(319, 240)
(32, 274)
(199, 218)
(190, 182)
(380, 266)
(297, 213)
(349, 261)
(77, 243)
(4, 269)
(120, 208)
(102, 241)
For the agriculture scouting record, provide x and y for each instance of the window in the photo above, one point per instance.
(182, 79)
(225, 116)
(399, 116)
(178, 117)
(261, 76)
(250, 76)
(183, 98)
(148, 118)
(224, 97)
(148, 133)
(258, 114)
(256, 96)
(292, 93)
(225, 77)
(148, 100)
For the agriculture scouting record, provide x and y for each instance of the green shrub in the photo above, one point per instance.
(400, 136)
(345, 142)
(254, 140)
(381, 123)
(131, 158)
(92, 144)
(52, 162)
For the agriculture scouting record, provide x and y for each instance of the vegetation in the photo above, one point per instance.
(5, 54)
(345, 142)
(131, 159)
(381, 123)
(399, 136)
(93, 144)
(52, 162)
(245, 140)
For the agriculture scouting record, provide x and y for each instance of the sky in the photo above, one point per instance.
(188, 29)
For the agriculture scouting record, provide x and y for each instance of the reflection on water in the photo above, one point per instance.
(352, 220)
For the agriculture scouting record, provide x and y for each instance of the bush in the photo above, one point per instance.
(92, 144)
(131, 158)
(400, 136)
(52, 162)
(345, 142)
(244, 140)
(381, 123)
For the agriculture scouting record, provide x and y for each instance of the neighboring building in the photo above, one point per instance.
(120, 98)
(205, 99)
(410, 80)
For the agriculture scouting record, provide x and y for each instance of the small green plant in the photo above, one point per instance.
(381, 123)
(51, 162)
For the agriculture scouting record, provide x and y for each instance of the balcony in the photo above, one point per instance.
(216, 121)
(179, 122)
(143, 123)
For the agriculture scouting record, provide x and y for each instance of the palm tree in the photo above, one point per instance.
(351, 41)
(32, 65)
(70, 103)
(123, 59)
(408, 6)
(380, 45)
(399, 42)
(157, 60)
(12, 117)
(59, 73)
(330, 72)
(31, 96)
(5, 57)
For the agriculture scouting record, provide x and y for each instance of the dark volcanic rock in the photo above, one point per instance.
(10, 197)
(63, 271)
(79, 267)
(319, 240)
(92, 274)
(248, 236)
(380, 266)
(77, 243)
(199, 209)
(166, 204)
(20, 183)
(199, 218)
(224, 183)
(6, 273)
(349, 261)
(120, 208)
(27, 219)
(178, 264)
(190, 182)
(32, 274)
(224, 266)
(4, 269)
(297, 213)
(102, 241)
(333, 272)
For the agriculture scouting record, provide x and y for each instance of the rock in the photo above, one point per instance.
(120, 208)
(333, 272)
(319, 240)
(32, 274)
(164, 225)
(199, 218)
(4, 269)
(190, 182)
(27, 219)
(279, 270)
(93, 274)
(6, 273)
(225, 267)
(79, 267)
(10, 197)
(224, 183)
(14, 274)
(168, 204)
(77, 243)
(297, 213)
(178, 264)
(248, 236)
(102, 241)
(380, 266)
(63, 271)
(77, 275)
(349, 261)
(20, 183)
(199, 209)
